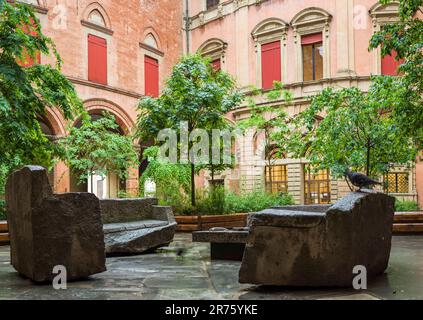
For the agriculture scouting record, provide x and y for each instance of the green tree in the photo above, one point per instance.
(270, 120)
(97, 147)
(370, 131)
(195, 94)
(349, 128)
(173, 181)
(25, 93)
(211, 166)
(406, 39)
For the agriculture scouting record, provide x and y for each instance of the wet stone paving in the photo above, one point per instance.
(165, 275)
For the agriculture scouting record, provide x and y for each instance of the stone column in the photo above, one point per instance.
(61, 178)
(242, 48)
(296, 182)
(132, 182)
(345, 37)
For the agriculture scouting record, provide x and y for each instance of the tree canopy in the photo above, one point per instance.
(370, 131)
(194, 94)
(97, 147)
(270, 119)
(26, 92)
(349, 128)
(406, 39)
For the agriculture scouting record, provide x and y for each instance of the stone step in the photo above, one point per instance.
(408, 228)
(3, 227)
(4, 238)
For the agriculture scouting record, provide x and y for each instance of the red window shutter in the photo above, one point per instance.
(312, 38)
(28, 61)
(97, 59)
(151, 67)
(216, 65)
(390, 65)
(270, 64)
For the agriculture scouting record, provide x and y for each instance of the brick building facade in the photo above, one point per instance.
(116, 51)
(307, 45)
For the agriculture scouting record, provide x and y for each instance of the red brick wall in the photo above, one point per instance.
(130, 21)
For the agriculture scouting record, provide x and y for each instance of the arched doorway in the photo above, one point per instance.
(48, 131)
(104, 187)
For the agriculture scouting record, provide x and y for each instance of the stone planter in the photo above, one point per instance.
(206, 222)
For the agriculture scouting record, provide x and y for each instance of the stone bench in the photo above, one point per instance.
(319, 245)
(133, 226)
(225, 244)
(48, 230)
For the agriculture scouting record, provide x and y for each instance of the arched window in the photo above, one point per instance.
(46, 128)
(382, 15)
(276, 175)
(96, 17)
(96, 115)
(150, 46)
(311, 34)
(98, 35)
(270, 38)
(211, 4)
(215, 49)
(150, 40)
(317, 186)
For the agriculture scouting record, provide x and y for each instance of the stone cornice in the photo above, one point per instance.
(37, 8)
(223, 9)
(87, 83)
(97, 27)
(151, 49)
(304, 98)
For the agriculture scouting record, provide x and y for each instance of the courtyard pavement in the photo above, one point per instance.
(166, 276)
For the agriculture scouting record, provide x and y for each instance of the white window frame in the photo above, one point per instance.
(215, 49)
(310, 21)
(268, 31)
(382, 15)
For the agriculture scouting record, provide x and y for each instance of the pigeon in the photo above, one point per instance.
(360, 180)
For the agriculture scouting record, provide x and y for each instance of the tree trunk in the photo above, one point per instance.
(212, 175)
(368, 159)
(190, 144)
(193, 202)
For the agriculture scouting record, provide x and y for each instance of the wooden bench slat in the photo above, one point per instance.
(187, 227)
(186, 219)
(408, 228)
(4, 238)
(3, 227)
(230, 218)
(412, 217)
